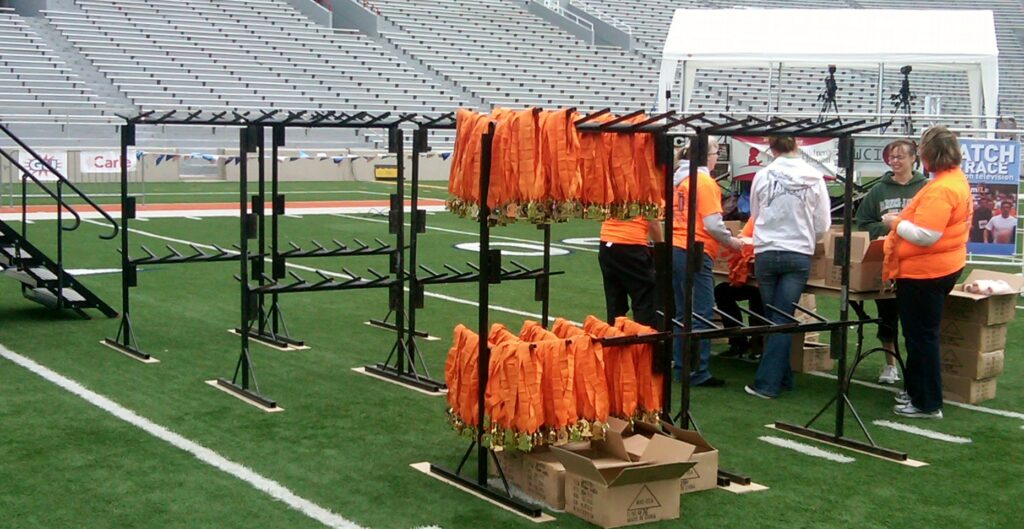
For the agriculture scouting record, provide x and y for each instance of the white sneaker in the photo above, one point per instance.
(751, 391)
(890, 375)
(908, 410)
(902, 398)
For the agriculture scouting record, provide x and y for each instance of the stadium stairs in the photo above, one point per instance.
(44, 279)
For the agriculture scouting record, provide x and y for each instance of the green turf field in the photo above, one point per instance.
(345, 441)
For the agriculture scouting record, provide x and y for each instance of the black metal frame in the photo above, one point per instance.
(489, 271)
(25, 255)
(256, 321)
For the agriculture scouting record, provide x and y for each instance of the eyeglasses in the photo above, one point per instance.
(897, 158)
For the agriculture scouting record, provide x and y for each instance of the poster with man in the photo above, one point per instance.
(993, 171)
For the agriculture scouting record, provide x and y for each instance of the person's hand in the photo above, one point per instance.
(735, 244)
(889, 219)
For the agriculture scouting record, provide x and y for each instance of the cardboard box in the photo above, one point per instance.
(866, 258)
(605, 486)
(962, 389)
(805, 357)
(819, 267)
(542, 476)
(972, 336)
(537, 474)
(703, 476)
(971, 364)
(978, 308)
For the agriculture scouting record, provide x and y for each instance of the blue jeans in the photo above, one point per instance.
(781, 277)
(703, 304)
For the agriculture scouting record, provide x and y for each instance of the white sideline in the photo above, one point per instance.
(806, 449)
(931, 434)
(263, 484)
(460, 232)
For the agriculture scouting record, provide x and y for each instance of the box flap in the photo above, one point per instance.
(1016, 282)
(613, 444)
(635, 445)
(652, 472)
(664, 449)
(578, 464)
(689, 436)
(874, 252)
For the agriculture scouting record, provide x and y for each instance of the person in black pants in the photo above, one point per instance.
(727, 298)
(925, 251)
(627, 268)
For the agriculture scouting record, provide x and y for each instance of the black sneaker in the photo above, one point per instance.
(711, 383)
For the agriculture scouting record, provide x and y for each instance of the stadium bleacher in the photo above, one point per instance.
(430, 56)
(506, 56)
(36, 85)
(220, 54)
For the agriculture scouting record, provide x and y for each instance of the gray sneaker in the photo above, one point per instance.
(908, 410)
(902, 398)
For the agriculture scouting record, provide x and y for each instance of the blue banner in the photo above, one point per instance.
(993, 172)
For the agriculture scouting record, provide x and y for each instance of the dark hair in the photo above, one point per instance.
(782, 144)
(940, 149)
(1006, 203)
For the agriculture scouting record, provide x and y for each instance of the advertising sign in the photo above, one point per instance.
(993, 171)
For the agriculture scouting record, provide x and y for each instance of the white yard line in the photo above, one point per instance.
(808, 450)
(890, 389)
(459, 232)
(263, 484)
(931, 434)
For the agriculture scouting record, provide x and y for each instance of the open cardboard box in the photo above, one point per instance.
(866, 257)
(703, 476)
(606, 486)
(979, 308)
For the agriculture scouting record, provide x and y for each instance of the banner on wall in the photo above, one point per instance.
(750, 154)
(57, 159)
(993, 172)
(104, 161)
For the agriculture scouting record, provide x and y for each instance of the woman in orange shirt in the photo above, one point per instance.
(925, 252)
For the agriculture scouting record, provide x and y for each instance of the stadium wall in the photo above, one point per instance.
(317, 13)
(351, 14)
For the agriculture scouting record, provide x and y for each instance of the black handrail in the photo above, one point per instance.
(63, 179)
(60, 201)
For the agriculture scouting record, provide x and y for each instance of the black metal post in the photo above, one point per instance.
(545, 289)
(663, 270)
(841, 334)
(259, 203)
(125, 341)
(60, 245)
(276, 141)
(396, 140)
(694, 261)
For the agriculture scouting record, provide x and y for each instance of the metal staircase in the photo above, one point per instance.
(44, 279)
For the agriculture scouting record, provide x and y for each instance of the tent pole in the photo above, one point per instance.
(878, 98)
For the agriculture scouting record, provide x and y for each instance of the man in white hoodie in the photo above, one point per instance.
(789, 213)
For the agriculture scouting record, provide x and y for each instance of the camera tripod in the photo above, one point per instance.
(902, 101)
(827, 97)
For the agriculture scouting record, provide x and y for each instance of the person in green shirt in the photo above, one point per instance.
(886, 199)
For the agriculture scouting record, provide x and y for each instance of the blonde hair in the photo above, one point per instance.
(940, 149)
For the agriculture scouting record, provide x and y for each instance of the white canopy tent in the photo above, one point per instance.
(958, 40)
